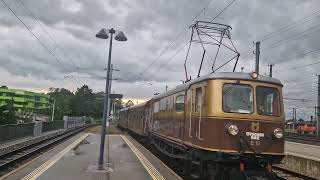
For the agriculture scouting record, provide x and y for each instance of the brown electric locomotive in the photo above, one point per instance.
(220, 126)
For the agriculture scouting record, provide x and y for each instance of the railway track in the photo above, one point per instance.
(19, 155)
(284, 173)
(281, 172)
(302, 138)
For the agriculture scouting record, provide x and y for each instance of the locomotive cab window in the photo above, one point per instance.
(237, 98)
(180, 103)
(268, 101)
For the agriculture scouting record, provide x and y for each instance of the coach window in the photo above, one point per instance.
(156, 107)
(169, 103)
(180, 103)
(163, 104)
(198, 102)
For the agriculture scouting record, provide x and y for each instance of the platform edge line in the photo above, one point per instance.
(154, 173)
(45, 166)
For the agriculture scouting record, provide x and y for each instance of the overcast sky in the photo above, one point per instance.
(67, 29)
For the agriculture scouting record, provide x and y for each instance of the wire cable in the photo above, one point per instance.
(226, 7)
(175, 39)
(44, 29)
(41, 43)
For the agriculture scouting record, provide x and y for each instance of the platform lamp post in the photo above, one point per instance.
(104, 34)
(53, 107)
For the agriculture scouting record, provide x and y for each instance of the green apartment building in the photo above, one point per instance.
(26, 101)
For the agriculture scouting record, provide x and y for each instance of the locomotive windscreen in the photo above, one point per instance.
(268, 101)
(237, 98)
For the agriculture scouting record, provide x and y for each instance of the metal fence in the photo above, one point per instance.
(50, 126)
(14, 131)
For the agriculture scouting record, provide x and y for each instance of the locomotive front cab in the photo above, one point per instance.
(242, 117)
(254, 116)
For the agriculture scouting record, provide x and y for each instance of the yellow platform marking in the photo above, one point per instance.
(45, 166)
(154, 173)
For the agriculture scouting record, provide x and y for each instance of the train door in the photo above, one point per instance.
(188, 123)
(197, 114)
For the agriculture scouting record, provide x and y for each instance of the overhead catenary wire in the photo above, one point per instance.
(36, 18)
(279, 31)
(170, 59)
(175, 39)
(226, 7)
(34, 35)
(290, 26)
(292, 37)
(298, 67)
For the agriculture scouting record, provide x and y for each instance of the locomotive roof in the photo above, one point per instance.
(219, 75)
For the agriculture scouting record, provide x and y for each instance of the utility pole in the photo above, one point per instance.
(257, 53)
(318, 106)
(166, 88)
(270, 65)
(293, 118)
(54, 104)
(316, 120)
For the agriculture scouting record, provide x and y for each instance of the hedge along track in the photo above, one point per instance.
(17, 156)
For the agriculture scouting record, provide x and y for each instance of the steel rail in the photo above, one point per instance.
(18, 155)
(284, 173)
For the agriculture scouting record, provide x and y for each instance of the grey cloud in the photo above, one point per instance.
(149, 26)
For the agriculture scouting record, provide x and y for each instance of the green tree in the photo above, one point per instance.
(7, 113)
(82, 101)
(63, 99)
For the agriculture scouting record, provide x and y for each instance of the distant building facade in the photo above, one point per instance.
(22, 100)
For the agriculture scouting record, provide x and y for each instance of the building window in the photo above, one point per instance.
(29, 97)
(180, 103)
(37, 98)
(37, 104)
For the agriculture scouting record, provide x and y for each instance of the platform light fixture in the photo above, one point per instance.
(104, 34)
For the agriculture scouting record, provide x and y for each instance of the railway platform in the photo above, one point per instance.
(77, 158)
(302, 159)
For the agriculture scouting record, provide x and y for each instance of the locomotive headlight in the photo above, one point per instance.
(254, 75)
(233, 130)
(278, 133)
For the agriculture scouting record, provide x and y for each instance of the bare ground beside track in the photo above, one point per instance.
(112, 129)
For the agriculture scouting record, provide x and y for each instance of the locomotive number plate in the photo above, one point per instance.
(254, 136)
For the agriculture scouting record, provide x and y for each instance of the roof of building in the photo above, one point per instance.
(219, 75)
(22, 92)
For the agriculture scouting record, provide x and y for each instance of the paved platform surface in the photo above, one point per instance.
(307, 151)
(77, 159)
